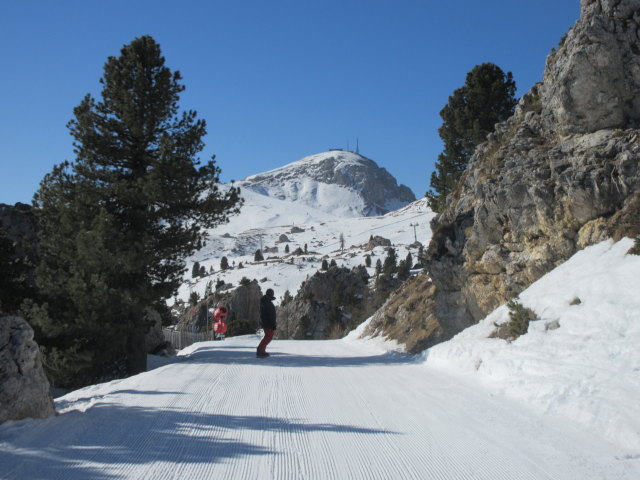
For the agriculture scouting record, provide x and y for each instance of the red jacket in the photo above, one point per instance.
(220, 326)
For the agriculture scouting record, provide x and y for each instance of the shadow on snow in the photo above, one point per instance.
(109, 435)
(247, 355)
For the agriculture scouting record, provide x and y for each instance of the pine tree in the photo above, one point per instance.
(117, 224)
(404, 267)
(409, 260)
(224, 263)
(203, 271)
(286, 298)
(367, 260)
(635, 250)
(286, 248)
(390, 263)
(378, 267)
(471, 113)
(333, 263)
(194, 298)
(258, 257)
(325, 265)
(421, 256)
(306, 250)
(195, 271)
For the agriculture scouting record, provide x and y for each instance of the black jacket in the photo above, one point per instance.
(267, 313)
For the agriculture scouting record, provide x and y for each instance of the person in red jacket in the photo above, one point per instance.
(220, 324)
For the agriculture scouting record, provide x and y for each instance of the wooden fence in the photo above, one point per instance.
(183, 339)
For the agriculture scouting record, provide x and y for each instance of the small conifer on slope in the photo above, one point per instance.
(471, 113)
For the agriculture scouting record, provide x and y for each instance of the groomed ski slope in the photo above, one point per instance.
(341, 409)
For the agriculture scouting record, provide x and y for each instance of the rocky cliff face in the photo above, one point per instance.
(244, 308)
(591, 82)
(24, 388)
(328, 305)
(18, 237)
(407, 316)
(561, 174)
(339, 182)
(243, 303)
(20, 225)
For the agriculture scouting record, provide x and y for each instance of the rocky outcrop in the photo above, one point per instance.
(244, 308)
(591, 82)
(154, 340)
(18, 239)
(24, 388)
(559, 175)
(404, 316)
(378, 241)
(243, 303)
(20, 225)
(328, 305)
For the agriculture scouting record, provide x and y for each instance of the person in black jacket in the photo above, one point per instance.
(268, 321)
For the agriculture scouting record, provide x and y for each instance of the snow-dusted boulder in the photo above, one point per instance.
(378, 241)
(154, 339)
(24, 388)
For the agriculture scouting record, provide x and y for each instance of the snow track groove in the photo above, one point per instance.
(313, 410)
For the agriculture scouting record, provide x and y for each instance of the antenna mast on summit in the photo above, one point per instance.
(357, 146)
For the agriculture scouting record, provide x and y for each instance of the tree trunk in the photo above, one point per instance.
(136, 349)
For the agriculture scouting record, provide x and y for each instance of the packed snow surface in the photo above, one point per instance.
(581, 358)
(314, 409)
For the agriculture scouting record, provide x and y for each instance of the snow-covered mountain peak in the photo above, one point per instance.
(339, 158)
(343, 183)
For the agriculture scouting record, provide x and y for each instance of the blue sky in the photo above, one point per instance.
(275, 80)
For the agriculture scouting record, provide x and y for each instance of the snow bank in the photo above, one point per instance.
(379, 343)
(588, 369)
